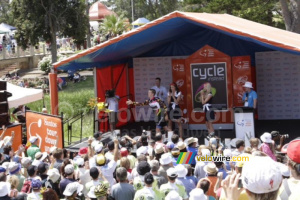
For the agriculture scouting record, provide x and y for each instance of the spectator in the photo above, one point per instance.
(4, 191)
(165, 164)
(148, 192)
(142, 168)
(15, 170)
(211, 171)
(181, 179)
(122, 190)
(192, 147)
(50, 194)
(165, 189)
(154, 164)
(190, 175)
(124, 162)
(199, 168)
(240, 146)
(267, 146)
(53, 180)
(19, 113)
(109, 155)
(175, 139)
(254, 142)
(197, 194)
(36, 185)
(97, 177)
(14, 182)
(221, 168)
(42, 171)
(73, 190)
(34, 148)
(58, 156)
(69, 177)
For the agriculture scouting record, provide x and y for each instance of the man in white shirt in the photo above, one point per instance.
(161, 91)
(113, 105)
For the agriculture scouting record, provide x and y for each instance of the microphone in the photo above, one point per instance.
(247, 94)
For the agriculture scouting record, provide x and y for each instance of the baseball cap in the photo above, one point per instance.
(143, 167)
(170, 145)
(171, 172)
(2, 169)
(36, 184)
(98, 148)
(73, 187)
(293, 151)
(261, 175)
(32, 139)
(14, 168)
(69, 169)
(43, 167)
(148, 178)
(53, 175)
(100, 160)
(79, 161)
(124, 152)
(83, 151)
(141, 150)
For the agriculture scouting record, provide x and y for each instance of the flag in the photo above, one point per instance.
(186, 158)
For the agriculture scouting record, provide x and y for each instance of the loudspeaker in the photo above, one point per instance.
(4, 119)
(2, 85)
(4, 111)
(4, 95)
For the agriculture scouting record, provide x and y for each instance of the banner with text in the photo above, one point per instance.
(47, 128)
(18, 135)
(216, 75)
(241, 72)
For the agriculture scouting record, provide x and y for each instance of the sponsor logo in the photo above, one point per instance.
(207, 53)
(211, 72)
(180, 83)
(242, 65)
(241, 80)
(244, 122)
(178, 67)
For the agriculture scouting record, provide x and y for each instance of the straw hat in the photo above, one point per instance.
(210, 168)
(181, 145)
(191, 140)
(159, 149)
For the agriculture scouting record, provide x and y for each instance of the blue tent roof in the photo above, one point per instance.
(181, 34)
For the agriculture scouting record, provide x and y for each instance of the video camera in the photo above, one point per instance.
(276, 134)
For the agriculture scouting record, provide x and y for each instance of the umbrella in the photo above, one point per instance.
(140, 21)
(6, 26)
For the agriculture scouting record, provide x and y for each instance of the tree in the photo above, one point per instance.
(47, 19)
(291, 14)
(265, 12)
(113, 25)
(5, 13)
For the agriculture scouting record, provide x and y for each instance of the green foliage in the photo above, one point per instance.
(45, 63)
(113, 25)
(5, 13)
(265, 12)
(45, 19)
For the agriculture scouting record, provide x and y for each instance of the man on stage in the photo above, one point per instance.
(160, 91)
(158, 107)
(250, 96)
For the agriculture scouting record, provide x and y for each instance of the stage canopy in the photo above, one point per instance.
(140, 21)
(182, 34)
(21, 96)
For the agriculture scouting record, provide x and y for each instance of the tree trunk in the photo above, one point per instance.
(88, 36)
(53, 40)
(286, 14)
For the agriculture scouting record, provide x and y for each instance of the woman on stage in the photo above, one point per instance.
(174, 111)
(206, 100)
(158, 107)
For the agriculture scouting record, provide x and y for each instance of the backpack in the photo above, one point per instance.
(26, 186)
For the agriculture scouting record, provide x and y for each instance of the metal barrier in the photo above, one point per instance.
(70, 123)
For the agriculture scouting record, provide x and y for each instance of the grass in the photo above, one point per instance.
(72, 101)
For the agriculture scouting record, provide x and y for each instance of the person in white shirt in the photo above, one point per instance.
(97, 177)
(113, 105)
(161, 91)
(148, 192)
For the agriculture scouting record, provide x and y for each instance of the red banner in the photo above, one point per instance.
(47, 128)
(179, 77)
(241, 72)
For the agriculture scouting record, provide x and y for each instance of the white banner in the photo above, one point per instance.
(278, 85)
(244, 126)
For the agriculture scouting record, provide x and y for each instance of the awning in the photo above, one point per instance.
(6, 26)
(140, 21)
(22, 96)
(183, 33)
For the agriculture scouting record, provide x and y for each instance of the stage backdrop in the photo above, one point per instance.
(47, 128)
(241, 72)
(145, 72)
(209, 65)
(278, 85)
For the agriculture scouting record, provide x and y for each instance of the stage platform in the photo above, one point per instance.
(291, 127)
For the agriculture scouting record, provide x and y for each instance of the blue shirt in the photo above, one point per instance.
(193, 178)
(193, 150)
(251, 96)
(224, 172)
(187, 183)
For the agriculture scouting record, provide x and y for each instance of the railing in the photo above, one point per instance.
(70, 123)
(18, 52)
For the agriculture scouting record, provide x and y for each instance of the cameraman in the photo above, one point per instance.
(276, 137)
(113, 105)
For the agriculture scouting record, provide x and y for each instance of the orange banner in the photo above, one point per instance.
(241, 72)
(47, 128)
(18, 135)
(179, 77)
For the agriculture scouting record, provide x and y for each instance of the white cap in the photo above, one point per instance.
(4, 188)
(26, 161)
(69, 169)
(141, 150)
(98, 148)
(197, 194)
(79, 161)
(52, 149)
(266, 137)
(181, 170)
(173, 195)
(227, 152)
(261, 175)
(165, 159)
(53, 175)
(172, 172)
(205, 152)
(248, 84)
(73, 187)
(40, 156)
(32, 139)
